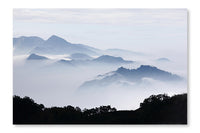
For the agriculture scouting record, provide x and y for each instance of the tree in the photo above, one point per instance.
(154, 100)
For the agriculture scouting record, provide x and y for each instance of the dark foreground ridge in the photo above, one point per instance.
(157, 109)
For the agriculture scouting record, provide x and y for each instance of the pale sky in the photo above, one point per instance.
(143, 30)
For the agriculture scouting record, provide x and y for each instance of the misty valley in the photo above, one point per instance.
(56, 72)
(100, 66)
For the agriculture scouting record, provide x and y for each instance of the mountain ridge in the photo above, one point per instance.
(56, 45)
(36, 57)
(96, 61)
(111, 59)
(23, 44)
(131, 75)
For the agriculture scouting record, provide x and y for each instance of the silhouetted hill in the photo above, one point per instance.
(58, 45)
(23, 45)
(80, 56)
(122, 52)
(162, 60)
(157, 109)
(80, 59)
(65, 63)
(131, 76)
(148, 72)
(36, 57)
(111, 59)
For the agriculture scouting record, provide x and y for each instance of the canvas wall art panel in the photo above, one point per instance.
(100, 66)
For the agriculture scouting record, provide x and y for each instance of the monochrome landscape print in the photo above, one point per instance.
(99, 66)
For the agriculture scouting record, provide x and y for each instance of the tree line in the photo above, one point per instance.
(156, 109)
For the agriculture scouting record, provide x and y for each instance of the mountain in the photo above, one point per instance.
(162, 60)
(80, 59)
(36, 57)
(80, 56)
(111, 60)
(125, 76)
(23, 45)
(57, 45)
(65, 62)
(122, 52)
(147, 72)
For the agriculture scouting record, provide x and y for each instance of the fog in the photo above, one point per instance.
(54, 84)
(147, 36)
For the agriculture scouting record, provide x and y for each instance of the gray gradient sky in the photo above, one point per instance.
(145, 30)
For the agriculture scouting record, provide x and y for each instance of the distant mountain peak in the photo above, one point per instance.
(145, 67)
(57, 39)
(28, 37)
(55, 36)
(148, 71)
(53, 45)
(27, 40)
(23, 44)
(141, 68)
(131, 76)
(122, 69)
(36, 57)
(111, 59)
(80, 56)
(109, 56)
(163, 59)
(121, 52)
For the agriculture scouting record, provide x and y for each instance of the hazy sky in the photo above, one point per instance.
(145, 30)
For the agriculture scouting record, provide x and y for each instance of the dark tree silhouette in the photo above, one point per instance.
(157, 109)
